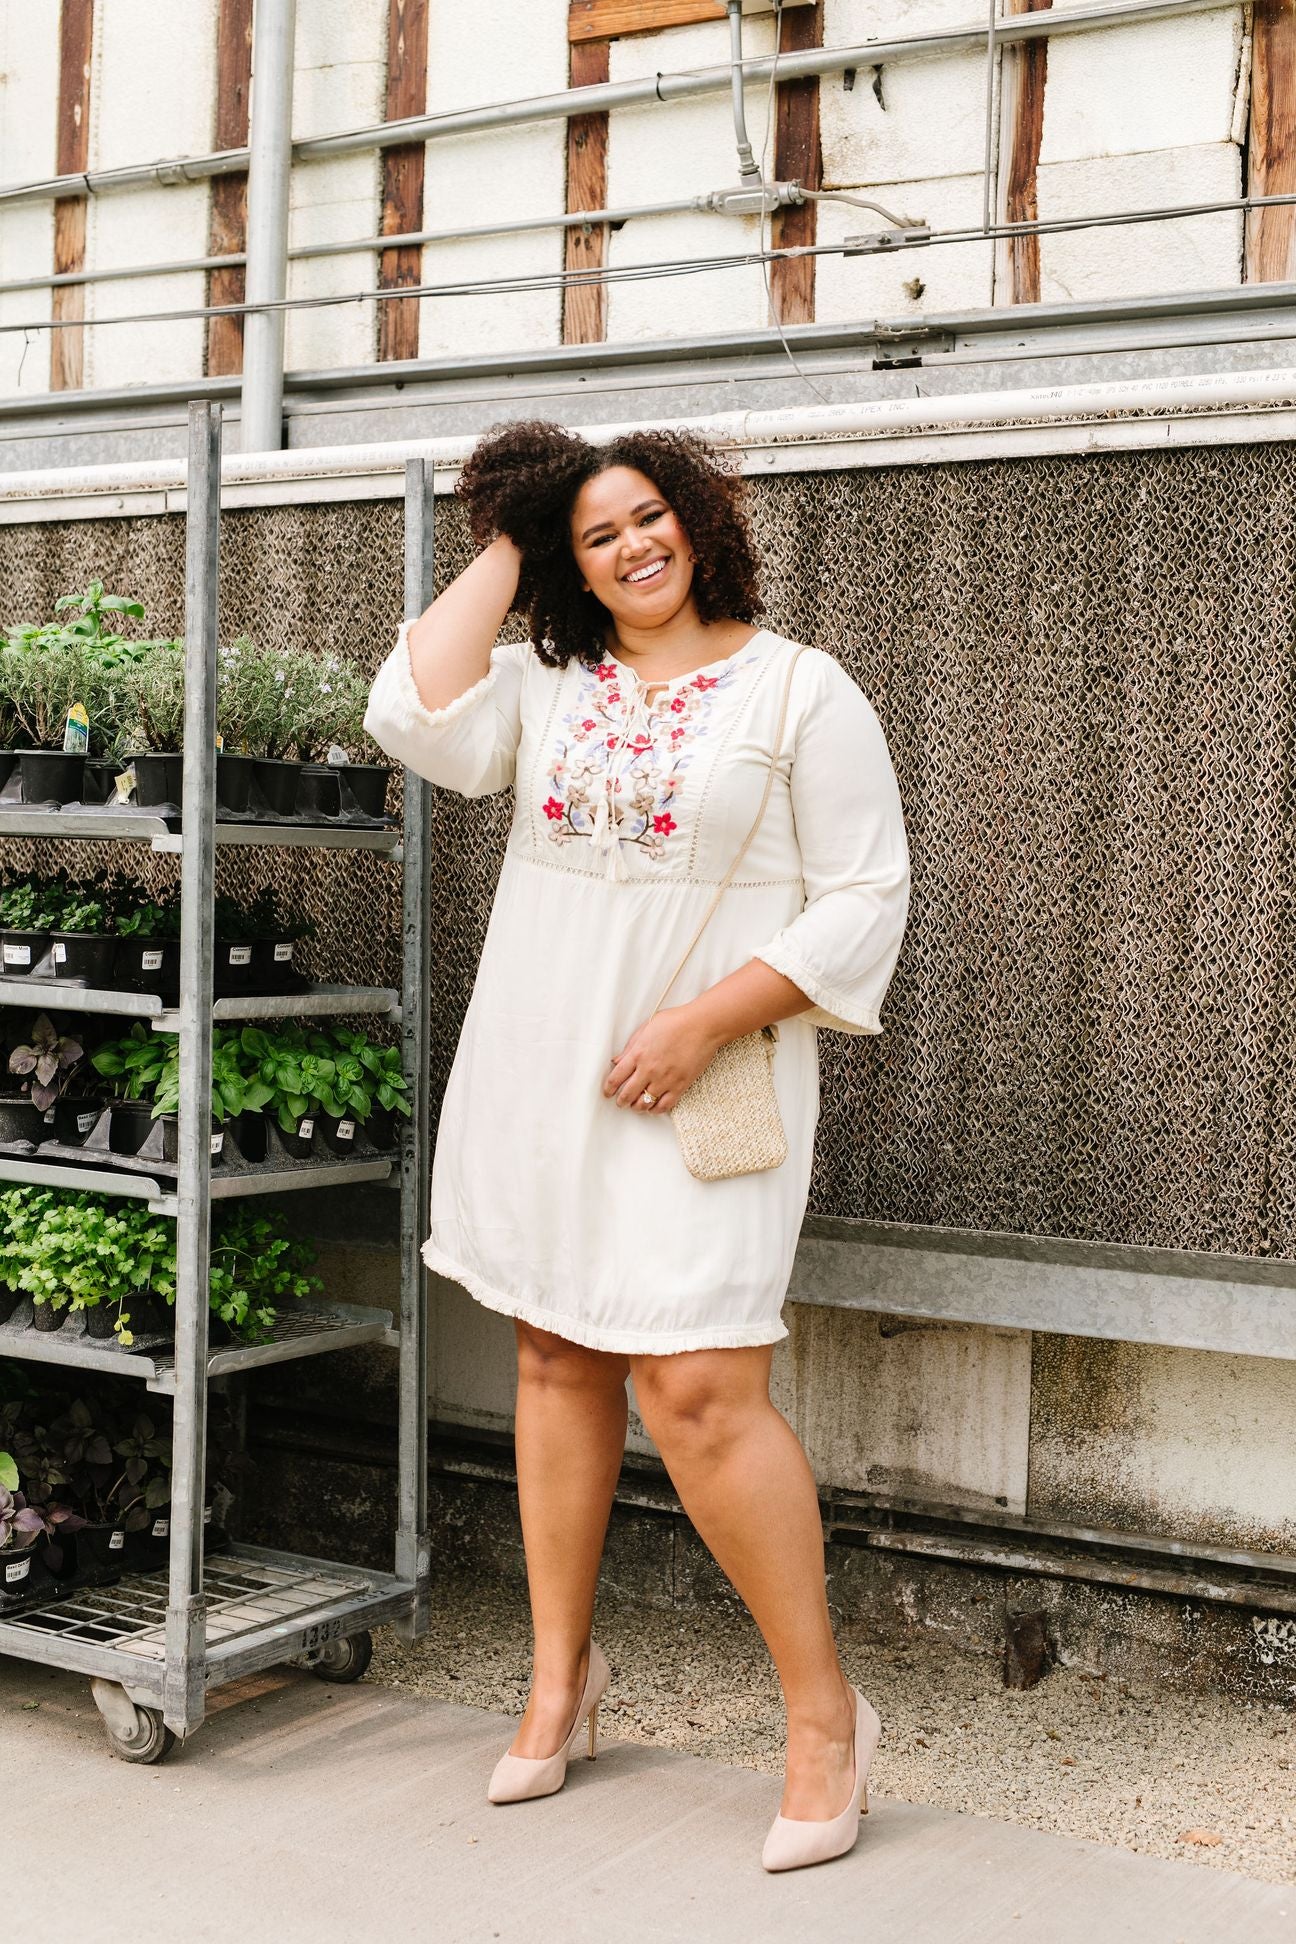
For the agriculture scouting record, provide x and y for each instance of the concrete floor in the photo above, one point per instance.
(303, 1814)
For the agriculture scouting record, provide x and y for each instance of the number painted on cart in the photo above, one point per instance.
(326, 1630)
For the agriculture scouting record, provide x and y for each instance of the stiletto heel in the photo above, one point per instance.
(792, 1844)
(518, 1778)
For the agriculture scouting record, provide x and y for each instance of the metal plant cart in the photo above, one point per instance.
(154, 1643)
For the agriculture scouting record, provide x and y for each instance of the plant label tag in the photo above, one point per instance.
(240, 955)
(282, 954)
(116, 1540)
(207, 1512)
(48, 1116)
(15, 1570)
(85, 1122)
(60, 952)
(337, 756)
(220, 742)
(76, 731)
(150, 961)
(124, 783)
(346, 1130)
(161, 1528)
(305, 1129)
(17, 954)
(217, 1143)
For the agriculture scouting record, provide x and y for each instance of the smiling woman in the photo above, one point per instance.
(650, 730)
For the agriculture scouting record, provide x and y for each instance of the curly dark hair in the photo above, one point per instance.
(522, 480)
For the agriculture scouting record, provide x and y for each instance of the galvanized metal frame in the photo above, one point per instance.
(346, 1598)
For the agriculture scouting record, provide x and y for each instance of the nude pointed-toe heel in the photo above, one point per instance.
(518, 1778)
(791, 1844)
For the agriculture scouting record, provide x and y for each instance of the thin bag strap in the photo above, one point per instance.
(723, 886)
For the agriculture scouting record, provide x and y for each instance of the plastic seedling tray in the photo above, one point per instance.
(150, 1159)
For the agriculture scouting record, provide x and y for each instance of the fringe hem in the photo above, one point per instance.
(831, 1009)
(621, 1343)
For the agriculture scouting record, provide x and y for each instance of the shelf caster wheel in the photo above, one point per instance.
(341, 1660)
(135, 1734)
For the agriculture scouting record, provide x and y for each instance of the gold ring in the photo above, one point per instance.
(650, 1098)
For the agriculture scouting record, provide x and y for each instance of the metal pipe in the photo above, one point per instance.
(413, 1547)
(608, 95)
(755, 432)
(991, 146)
(274, 24)
(747, 169)
(184, 1682)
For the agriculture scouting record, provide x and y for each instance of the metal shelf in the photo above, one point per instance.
(161, 1197)
(307, 1330)
(124, 826)
(262, 1608)
(316, 1001)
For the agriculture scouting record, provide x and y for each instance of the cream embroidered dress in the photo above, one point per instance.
(549, 1202)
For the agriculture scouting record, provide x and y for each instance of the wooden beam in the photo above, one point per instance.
(594, 20)
(797, 158)
(584, 317)
(227, 214)
(76, 45)
(1025, 72)
(1270, 247)
(402, 196)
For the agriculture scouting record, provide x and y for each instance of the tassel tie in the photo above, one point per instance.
(606, 832)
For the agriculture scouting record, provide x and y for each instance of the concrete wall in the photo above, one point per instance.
(1133, 115)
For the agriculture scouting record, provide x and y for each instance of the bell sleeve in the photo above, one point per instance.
(842, 948)
(471, 744)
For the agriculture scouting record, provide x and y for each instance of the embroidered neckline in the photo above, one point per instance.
(690, 674)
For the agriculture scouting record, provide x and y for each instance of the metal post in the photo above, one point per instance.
(269, 168)
(184, 1681)
(413, 1555)
(991, 156)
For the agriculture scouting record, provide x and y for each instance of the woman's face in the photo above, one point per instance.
(631, 551)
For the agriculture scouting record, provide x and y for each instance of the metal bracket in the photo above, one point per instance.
(879, 242)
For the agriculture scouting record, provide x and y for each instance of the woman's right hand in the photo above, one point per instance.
(450, 643)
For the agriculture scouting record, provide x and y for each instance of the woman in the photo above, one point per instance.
(636, 731)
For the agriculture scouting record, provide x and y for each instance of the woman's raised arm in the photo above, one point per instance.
(450, 643)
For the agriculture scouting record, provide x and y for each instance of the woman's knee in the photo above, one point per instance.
(701, 1399)
(551, 1362)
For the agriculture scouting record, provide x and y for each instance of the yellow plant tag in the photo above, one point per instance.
(124, 783)
(76, 730)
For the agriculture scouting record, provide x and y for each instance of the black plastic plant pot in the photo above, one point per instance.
(101, 773)
(20, 951)
(47, 1319)
(9, 1301)
(233, 781)
(130, 1126)
(51, 775)
(84, 955)
(171, 1140)
(21, 1120)
(300, 1144)
(23, 1578)
(273, 965)
(248, 1133)
(367, 784)
(339, 1134)
(147, 964)
(159, 778)
(234, 966)
(277, 782)
(319, 792)
(100, 1554)
(99, 1319)
(381, 1128)
(8, 764)
(73, 1119)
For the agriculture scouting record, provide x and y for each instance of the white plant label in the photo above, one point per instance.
(305, 1129)
(116, 1540)
(207, 1512)
(240, 955)
(161, 1528)
(60, 953)
(85, 1122)
(282, 954)
(17, 954)
(217, 1143)
(346, 1130)
(150, 961)
(15, 1570)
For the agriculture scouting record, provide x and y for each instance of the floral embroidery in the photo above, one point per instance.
(635, 756)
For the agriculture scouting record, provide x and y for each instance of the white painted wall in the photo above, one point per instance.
(28, 98)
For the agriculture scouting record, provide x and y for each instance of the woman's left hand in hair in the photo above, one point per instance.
(662, 1057)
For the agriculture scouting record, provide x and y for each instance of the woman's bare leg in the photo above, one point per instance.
(744, 1481)
(570, 1435)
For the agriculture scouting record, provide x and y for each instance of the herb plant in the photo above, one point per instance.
(48, 1063)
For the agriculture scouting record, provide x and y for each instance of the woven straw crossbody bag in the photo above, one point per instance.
(728, 1121)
